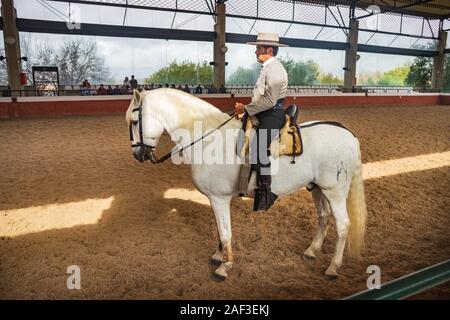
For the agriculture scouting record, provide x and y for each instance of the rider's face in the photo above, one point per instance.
(263, 53)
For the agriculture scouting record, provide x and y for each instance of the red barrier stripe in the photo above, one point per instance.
(88, 107)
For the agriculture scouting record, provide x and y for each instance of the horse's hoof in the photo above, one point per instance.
(308, 258)
(331, 274)
(218, 277)
(331, 277)
(215, 262)
(221, 272)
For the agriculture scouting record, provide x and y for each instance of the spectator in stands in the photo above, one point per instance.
(199, 89)
(101, 91)
(109, 91)
(82, 89)
(160, 86)
(222, 89)
(152, 86)
(166, 85)
(88, 86)
(212, 89)
(133, 83)
(186, 89)
(116, 90)
(126, 82)
(85, 88)
(124, 90)
(172, 86)
(180, 87)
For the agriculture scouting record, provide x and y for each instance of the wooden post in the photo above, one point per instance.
(12, 46)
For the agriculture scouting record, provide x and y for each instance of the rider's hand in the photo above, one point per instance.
(239, 110)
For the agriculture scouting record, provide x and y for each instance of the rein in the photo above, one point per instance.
(149, 150)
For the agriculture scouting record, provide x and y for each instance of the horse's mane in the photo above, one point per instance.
(186, 107)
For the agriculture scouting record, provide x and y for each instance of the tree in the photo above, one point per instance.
(301, 73)
(77, 59)
(186, 72)
(369, 79)
(244, 76)
(394, 77)
(329, 78)
(3, 72)
(27, 49)
(447, 73)
(419, 74)
(42, 53)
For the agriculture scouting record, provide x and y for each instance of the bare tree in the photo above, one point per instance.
(39, 53)
(3, 73)
(25, 52)
(77, 59)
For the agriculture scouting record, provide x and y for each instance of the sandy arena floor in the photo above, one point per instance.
(72, 194)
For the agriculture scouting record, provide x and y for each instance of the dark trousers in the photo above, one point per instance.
(270, 122)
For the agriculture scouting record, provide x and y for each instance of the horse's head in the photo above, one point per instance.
(145, 127)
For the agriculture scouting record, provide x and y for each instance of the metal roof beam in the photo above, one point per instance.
(88, 29)
(300, 43)
(132, 6)
(396, 51)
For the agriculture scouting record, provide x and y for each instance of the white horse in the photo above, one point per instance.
(331, 163)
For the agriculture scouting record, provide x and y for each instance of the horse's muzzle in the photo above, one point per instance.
(144, 153)
(139, 154)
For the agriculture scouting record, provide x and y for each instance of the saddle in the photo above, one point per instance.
(289, 142)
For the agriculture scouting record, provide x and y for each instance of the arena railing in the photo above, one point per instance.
(248, 89)
(408, 285)
(387, 89)
(231, 89)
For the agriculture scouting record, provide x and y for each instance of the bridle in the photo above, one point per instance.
(148, 151)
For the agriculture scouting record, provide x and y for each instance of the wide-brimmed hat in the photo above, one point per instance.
(268, 39)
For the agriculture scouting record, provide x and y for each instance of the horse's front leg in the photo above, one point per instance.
(224, 254)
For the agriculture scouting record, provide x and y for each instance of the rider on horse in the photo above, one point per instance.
(267, 107)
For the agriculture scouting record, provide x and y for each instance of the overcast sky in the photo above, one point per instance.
(142, 57)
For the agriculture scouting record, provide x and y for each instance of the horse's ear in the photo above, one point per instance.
(136, 96)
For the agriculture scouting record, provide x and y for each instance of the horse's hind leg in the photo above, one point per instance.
(323, 213)
(221, 208)
(339, 209)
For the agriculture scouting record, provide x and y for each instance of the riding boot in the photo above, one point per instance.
(264, 197)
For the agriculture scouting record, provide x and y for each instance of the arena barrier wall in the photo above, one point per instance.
(95, 105)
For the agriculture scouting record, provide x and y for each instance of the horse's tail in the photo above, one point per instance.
(357, 210)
